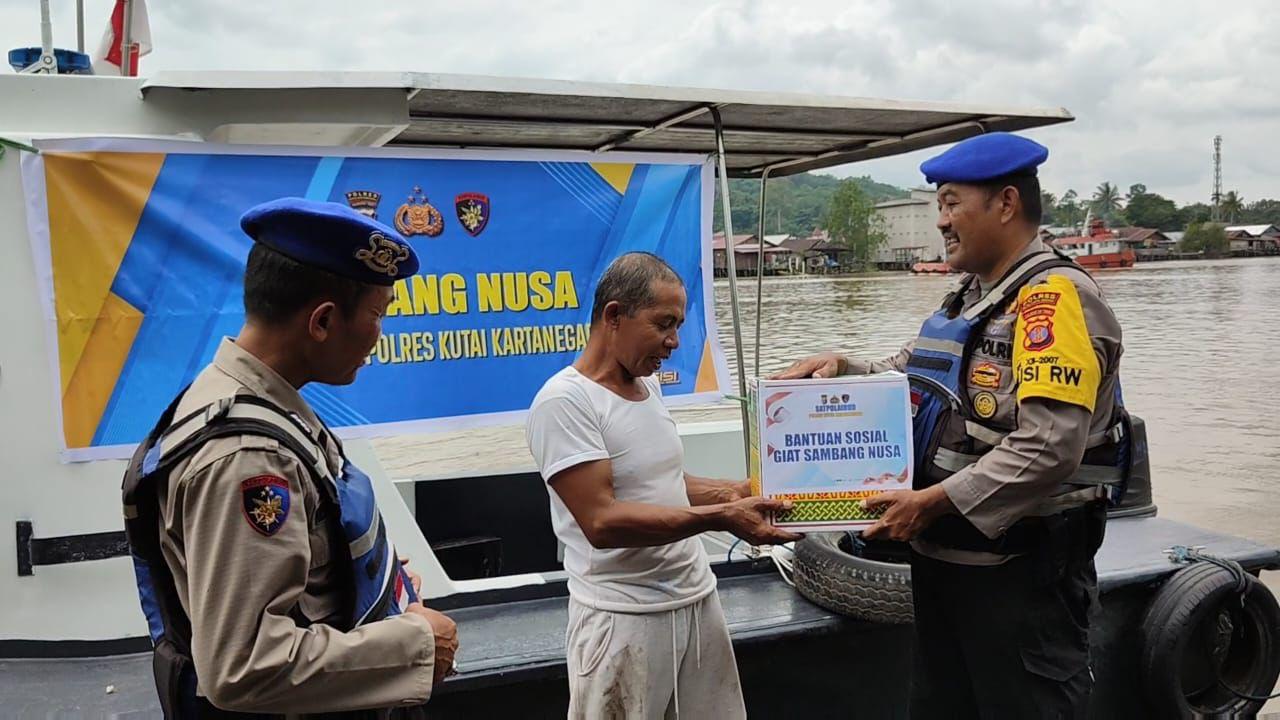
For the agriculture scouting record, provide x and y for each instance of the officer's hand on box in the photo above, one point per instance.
(822, 365)
(906, 512)
(446, 634)
(749, 519)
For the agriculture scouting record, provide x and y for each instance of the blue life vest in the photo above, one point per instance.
(377, 585)
(937, 370)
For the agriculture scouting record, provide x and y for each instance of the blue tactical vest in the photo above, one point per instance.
(937, 370)
(376, 584)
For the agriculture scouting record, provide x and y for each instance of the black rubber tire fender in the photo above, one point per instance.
(827, 573)
(1174, 625)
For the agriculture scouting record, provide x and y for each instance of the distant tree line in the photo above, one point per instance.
(1142, 208)
(796, 205)
(799, 204)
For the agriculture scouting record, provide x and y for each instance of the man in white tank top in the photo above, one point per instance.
(646, 637)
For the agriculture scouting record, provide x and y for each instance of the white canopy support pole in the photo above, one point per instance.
(732, 266)
(764, 182)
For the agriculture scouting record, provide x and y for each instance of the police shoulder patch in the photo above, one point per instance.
(1052, 351)
(265, 501)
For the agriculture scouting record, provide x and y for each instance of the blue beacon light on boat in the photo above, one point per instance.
(69, 62)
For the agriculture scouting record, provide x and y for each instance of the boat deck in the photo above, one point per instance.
(513, 640)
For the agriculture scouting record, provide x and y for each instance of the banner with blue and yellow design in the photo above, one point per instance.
(141, 259)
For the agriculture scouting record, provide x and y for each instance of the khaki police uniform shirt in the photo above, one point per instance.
(1048, 417)
(243, 588)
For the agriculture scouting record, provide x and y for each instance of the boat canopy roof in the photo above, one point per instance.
(784, 133)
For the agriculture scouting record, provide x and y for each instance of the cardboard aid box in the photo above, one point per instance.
(827, 444)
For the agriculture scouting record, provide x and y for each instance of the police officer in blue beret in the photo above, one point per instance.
(1020, 440)
(263, 566)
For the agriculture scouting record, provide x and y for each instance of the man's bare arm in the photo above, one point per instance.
(705, 491)
(587, 491)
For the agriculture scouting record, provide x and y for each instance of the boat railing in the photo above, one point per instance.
(62, 549)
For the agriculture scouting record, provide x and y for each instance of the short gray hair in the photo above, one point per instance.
(629, 281)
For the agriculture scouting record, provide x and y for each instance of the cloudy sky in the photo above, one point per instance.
(1149, 81)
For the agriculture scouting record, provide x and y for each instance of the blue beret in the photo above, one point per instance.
(985, 157)
(332, 237)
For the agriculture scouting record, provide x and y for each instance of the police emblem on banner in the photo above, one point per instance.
(473, 212)
(265, 500)
(419, 217)
(364, 202)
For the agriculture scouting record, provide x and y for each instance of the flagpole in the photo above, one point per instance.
(126, 42)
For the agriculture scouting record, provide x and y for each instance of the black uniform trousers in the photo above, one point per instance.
(1010, 640)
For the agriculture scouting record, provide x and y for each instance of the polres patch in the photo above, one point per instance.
(265, 500)
(1037, 310)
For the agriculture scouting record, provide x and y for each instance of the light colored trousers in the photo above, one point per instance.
(670, 664)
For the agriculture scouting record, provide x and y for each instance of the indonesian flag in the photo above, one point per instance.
(110, 56)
